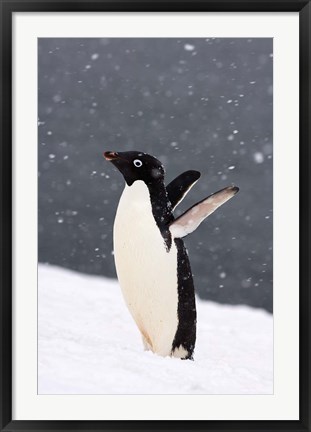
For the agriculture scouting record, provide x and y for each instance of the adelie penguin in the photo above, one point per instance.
(151, 260)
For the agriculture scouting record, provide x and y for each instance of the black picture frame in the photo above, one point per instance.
(8, 7)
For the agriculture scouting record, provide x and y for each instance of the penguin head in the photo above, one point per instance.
(135, 165)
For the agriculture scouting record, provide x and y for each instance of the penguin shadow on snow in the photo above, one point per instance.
(151, 260)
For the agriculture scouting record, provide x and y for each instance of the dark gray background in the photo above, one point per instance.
(203, 104)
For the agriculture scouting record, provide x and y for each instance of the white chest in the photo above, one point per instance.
(146, 271)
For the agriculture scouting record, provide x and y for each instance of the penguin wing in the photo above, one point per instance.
(191, 219)
(181, 185)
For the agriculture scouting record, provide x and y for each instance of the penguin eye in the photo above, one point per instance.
(138, 163)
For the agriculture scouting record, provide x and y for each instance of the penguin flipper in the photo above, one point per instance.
(180, 186)
(191, 219)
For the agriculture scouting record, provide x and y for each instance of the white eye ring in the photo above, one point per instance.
(138, 163)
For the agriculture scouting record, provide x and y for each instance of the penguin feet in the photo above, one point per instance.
(147, 346)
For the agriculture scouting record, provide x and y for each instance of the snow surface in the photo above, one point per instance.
(89, 344)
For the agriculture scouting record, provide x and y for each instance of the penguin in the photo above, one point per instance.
(151, 260)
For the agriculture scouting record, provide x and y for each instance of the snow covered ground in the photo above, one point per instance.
(89, 344)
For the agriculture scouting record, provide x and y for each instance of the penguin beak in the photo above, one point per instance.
(118, 160)
(110, 156)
